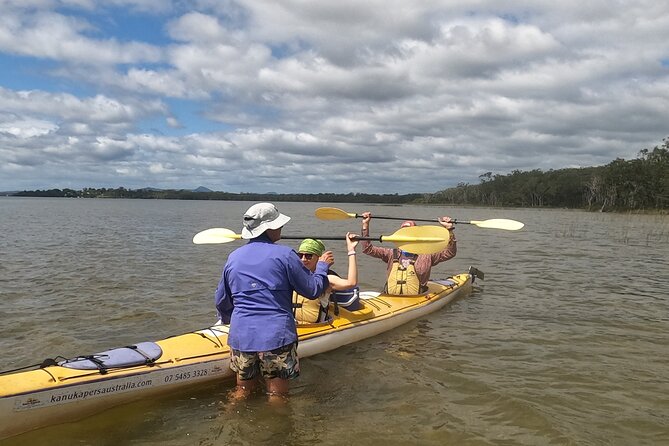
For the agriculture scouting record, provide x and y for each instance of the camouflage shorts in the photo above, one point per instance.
(278, 363)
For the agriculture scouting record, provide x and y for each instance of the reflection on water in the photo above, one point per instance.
(563, 343)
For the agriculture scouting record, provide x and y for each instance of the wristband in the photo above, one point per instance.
(351, 253)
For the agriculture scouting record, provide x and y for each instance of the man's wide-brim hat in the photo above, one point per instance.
(261, 217)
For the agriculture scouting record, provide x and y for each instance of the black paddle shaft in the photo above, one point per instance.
(383, 217)
(454, 221)
(330, 237)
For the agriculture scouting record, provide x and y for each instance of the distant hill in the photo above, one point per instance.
(202, 189)
(8, 193)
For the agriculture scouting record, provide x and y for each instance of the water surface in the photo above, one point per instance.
(565, 342)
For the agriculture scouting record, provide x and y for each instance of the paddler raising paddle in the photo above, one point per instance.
(408, 273)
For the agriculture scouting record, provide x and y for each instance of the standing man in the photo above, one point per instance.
(254, 296)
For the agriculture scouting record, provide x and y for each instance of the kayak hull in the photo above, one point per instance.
(54, 394)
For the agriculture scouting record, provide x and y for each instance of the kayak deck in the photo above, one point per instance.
(55, 394)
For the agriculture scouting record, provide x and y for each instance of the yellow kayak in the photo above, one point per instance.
(68, 390)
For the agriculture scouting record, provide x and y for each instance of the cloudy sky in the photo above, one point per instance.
(378, 96)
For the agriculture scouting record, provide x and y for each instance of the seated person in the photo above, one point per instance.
(408, 273)
(316, 310)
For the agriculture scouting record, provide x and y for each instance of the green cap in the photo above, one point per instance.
(312, 246)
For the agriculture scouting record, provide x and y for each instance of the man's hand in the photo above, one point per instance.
(327, 257)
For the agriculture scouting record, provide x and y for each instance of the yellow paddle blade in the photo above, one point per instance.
(420, 239)
(333, 214)
(498, 223)
(215, 235)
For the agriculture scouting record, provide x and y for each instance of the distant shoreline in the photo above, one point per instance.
(182, 194)
(385, 199)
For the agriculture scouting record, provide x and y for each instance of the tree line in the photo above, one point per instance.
(640, 184)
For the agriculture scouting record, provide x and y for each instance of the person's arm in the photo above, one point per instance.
(452, 248)
(223, 300)
(338, 283)
(384, 254)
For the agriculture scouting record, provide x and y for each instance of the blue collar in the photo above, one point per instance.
(264, 238)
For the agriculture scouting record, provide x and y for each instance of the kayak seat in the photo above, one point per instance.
(141, 353)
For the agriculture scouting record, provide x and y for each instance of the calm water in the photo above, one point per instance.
(565, 342)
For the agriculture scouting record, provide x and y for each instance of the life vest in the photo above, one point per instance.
(402, 280)
(310, 311)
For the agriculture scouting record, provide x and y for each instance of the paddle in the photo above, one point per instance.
(416, 239)
(495, 223)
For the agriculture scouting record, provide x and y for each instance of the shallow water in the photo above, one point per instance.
(565, 342)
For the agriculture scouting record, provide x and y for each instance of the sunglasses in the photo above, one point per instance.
(305, 255)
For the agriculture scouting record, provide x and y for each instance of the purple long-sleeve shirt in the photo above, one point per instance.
(255, 294)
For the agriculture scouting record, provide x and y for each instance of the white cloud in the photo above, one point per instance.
(173, 122)
(26, 128)
(198, 27)
(54, 36)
